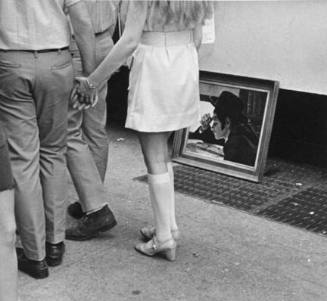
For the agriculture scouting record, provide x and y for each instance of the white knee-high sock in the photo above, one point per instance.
(159, 187)
(173, 224)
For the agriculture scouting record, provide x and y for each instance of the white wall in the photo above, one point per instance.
(279, 40)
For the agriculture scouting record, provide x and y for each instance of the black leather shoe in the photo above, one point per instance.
(75, 210)
(55, 253)
(92, 224)
(37, 269)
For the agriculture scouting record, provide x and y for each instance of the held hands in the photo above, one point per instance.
(84, 94)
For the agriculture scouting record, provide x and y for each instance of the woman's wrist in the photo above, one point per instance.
(91, 83)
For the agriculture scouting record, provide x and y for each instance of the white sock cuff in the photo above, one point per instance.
(170, 167)
(96, 209)
(159, 178)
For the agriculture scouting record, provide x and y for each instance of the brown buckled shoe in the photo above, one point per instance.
(54, 253)
(37, 269)
(92, 224)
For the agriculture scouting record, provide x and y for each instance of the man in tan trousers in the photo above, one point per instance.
(36, 77)
(87, 153)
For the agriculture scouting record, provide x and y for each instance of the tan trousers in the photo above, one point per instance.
(34, 94)
(87, 154)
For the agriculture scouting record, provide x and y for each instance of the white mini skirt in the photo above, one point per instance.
(164, 83)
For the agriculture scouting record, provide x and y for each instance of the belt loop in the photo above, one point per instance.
(59, 51)
(35, 54)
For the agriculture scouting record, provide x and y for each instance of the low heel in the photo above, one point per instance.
(170, 254)
(166, 249)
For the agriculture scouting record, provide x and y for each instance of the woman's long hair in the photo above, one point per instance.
(188, 12)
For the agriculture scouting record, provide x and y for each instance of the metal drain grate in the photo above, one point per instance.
(306, 209)
(289, 193)
(226, 190)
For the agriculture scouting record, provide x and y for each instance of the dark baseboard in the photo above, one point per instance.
(300, 128)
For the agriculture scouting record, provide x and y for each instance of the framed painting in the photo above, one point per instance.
(233, 131)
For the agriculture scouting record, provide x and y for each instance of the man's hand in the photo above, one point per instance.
(84, 95)
(205, 122)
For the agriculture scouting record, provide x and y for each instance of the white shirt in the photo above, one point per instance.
(103, 14)
(34, 24)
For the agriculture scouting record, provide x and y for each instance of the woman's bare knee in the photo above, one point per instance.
(155, 149)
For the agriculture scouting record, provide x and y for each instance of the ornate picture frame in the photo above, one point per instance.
(233, 133)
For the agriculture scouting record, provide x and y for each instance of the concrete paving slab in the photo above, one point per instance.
(224, 254)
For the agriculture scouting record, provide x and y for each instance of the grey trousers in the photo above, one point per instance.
(87, 153)
(34, 94)
(6, 178)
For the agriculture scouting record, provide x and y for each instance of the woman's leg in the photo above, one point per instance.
(172, 215)
(155, 151)
(173, 224)
(8, 260)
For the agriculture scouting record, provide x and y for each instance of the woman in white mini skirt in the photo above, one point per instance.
(164, 89)
(163, 38)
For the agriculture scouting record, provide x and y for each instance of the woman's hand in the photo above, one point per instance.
(84, 94)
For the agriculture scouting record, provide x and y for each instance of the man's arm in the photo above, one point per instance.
(136, 17)
(84, 35)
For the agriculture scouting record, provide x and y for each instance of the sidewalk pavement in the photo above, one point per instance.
(224, 254)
